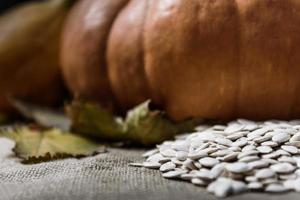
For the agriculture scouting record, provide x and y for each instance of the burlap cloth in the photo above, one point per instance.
(105, 176)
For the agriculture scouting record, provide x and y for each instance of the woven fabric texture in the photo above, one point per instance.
(105, 176)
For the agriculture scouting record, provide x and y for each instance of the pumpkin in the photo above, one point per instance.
(29, 53)
(217, 59)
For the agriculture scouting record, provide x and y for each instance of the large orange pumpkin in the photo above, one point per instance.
(218, 59)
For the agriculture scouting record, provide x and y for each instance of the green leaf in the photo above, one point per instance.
(34, 146)
(141, 126)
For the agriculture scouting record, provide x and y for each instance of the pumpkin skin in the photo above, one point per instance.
(217, 59)
(29, 53)
(84, 45)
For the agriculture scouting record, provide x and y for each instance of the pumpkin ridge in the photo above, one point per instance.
(125, 56)
(237, 100)
(84, 46)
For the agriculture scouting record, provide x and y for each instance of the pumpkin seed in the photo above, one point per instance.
(276, 188)
(264, 173)
(280, 137)
(169, 166)
(241, 156)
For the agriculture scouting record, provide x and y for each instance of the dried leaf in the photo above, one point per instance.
(92, 120)
(148, 127)
(34, 146)
(141, 125)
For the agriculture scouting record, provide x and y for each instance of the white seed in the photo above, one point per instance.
(152, 165)
(181, 146)
(295, 137)
(262, 139)
(223, 141)
(295, 143)
(269, 181)
(234, 128)
(230, 157)
(255, 186)
(212, 186)
(169, 166)
(208, 162)
(290, 184)
(197, 154)
(297, 172)
(176, 161)
(173, 174)
(297, 185)
(245, 121)
(276, 188)
(235, 136)
(287, 159)
(238, 187)
(264, 149)
(271, 155)
(204, 175)
(156, 158)
(290, 149)
(270, 161)
(238, 167)
(199, 182)
(221, 153)
(270, 143)
(248, 148)
(281, 137)
(217, 170)
(168, 153)
(287, 176)
(264, 173)
(223, 188)
(150, 153)
(198, 165)
(295, 123)
(250, 127)
(234, 148)
(219, 127)
(247, 153)
(249, 159)
(188, 163)
(258, 164)
(283, 168)
(259, 132)
(203, 146)
(210, 150)
(251, 179)
(197, 143)
(181, 155)
(239, 143)
(282, 152)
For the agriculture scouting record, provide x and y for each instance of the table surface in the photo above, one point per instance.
(105, 176)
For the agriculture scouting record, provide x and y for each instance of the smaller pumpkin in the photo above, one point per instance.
(29, 46)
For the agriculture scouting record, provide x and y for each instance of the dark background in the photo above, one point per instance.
(6, 4)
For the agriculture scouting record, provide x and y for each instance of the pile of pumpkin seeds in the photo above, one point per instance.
(241, 156)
